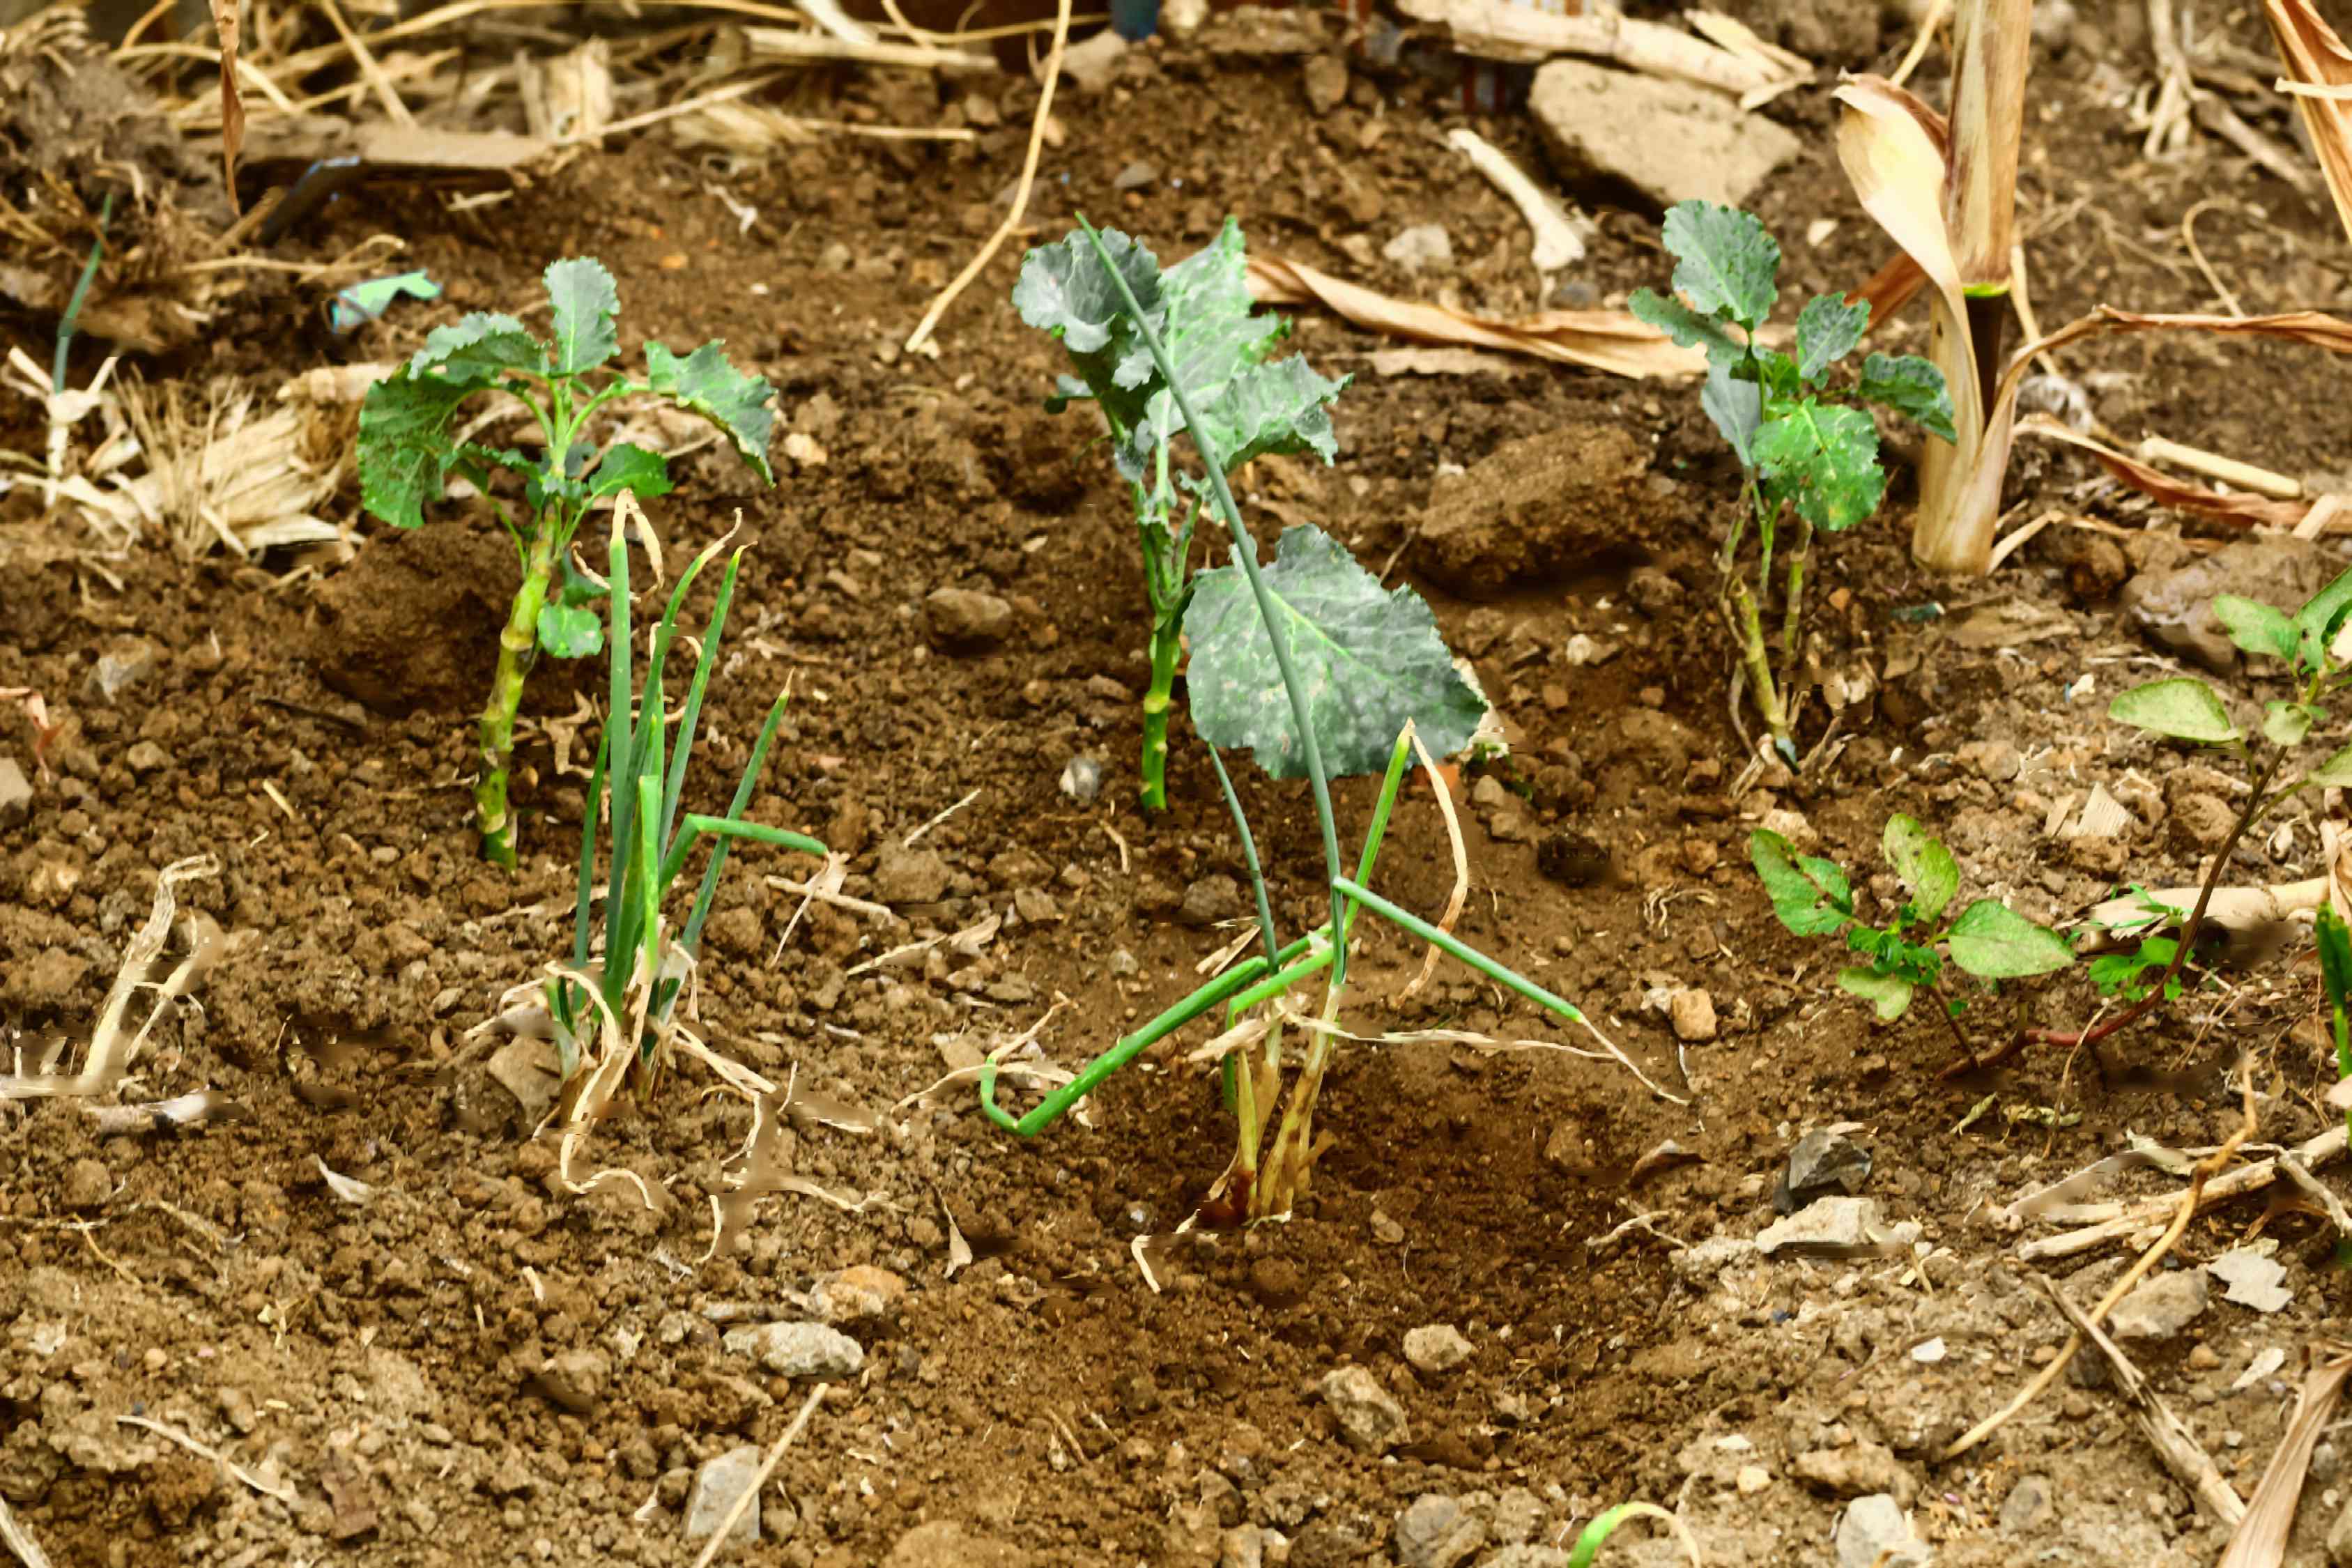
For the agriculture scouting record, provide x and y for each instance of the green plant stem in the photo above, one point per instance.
(1755, 656)
(1167, 647)
(67, 322)
(1793, 611)
(517, 643)
(1245, 555)
(1558, 1006)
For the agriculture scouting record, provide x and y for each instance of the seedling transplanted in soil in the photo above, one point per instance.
(408, 451)
(1374, 658)
(1297, 656)
(1801, 450)
(612, 1008)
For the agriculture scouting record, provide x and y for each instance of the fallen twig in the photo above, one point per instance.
(2253, 1178)
(19, 1540)
(767, 1466)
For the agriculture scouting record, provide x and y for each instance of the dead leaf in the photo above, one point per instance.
(2316, 57)
(232, 101)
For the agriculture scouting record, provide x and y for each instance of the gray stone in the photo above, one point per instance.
(1712, 1257)
(1876, 1533)
(1668, 140)
(1082, 779)
(1823, 1160)
(799, 1350)
(1424, 248)
(1243, 1546)
(146, 757)
(1435, 1348)
(1370, 1420)
(1518, 1514)
(2172, 605)
(2252, 1279)
(574, 1380)
(89, 1184)
(1209, 899)
(964, 620)
(716, 1487)
(1437, 1532)
(2029, 1506)
(2162, 1307)
(127, 662)
(16, 795)
(1835, 1227)
(904, 876)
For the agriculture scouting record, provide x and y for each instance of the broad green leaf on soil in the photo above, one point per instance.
(2335, 773)
(570, 631)
(1995, 942)
(2255, 627)
(1063, 291)
(406, 454)
(587, 308)
(1912, 387)
(1828, 328)
(1367, 657)
(629, 467)
(1825, 459)
(1925, 866)
(1736, 407)
(1804, 905)
(2185, 708)
(1889, 994)
(2317, 622)
(706, 383)
(1726, 261)
(2286, 723)
(1687, 328)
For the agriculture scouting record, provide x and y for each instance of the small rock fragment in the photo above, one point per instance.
(965, 620)
(146, 757)
(2029, 1506)
(1437, 1532)
(1370, 1420)
(1874, 1532)
(1424, 248)
(1712, 1257)
(1209, 899)
(857, 1294)
(1082, 779)
(1835, 1227)
(1751, 1480)
(2253, 1279)
(1856, 1469)
(2162, 1307)
(1691, 1011)
(531, 1071)
(89, 1184)
(16, 795)
(1327, 83)
(799, 1350)
(1823, 1160)
(904, 876)
(1435, 1348)
(716, 1487)
(1668, 140)
(575, 1380)
(127, 662)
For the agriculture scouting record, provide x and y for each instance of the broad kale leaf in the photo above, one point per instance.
(706, 384)
(1368, 659)
(1911, 386)
(587, 312)
(1726, 261)
(1825, 459)
(406, 454)
(1827, 331)
(1200, 308)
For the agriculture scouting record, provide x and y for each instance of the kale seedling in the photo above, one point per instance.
(1989, 939)
(407, 452)
(1799, 448)
(1378, 656)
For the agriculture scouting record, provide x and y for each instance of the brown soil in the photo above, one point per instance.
(477, 1367)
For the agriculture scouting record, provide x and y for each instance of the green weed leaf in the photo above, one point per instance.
(1808, 902)
(1687, 328)
(2286, 723)
(705, 382)
(2335, 773)
(1825, 459)
(1726, 261)
(2316, 624)
(2185, 708)
(1995, 942)
(1912, 387)
(587, 310)
(1925, 866)
(405, 455)
(570, 631)
(1369, 658)
(2255, 627)
(2335, 958)
(1888, 994)
(629, 467)
(1828, 328)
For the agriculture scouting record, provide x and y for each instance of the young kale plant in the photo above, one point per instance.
(1802, 449)
(1314, 669)
(1218, 359)
(1907, 955)
(408, 450)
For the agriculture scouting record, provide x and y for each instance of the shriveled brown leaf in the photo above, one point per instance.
(1612, 341)
(2180, 495)
(2260, 1540)
(232, 101)
(2314, 56)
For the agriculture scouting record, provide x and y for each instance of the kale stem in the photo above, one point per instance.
(517, 642)
(1793, 613)
(1167, 647)
(1747, 625)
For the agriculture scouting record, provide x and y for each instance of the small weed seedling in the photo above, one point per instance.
(1800, 448)
(408, 450)
(1899, 960)
(1378, 655)
(624, 987)
(1312, 645)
